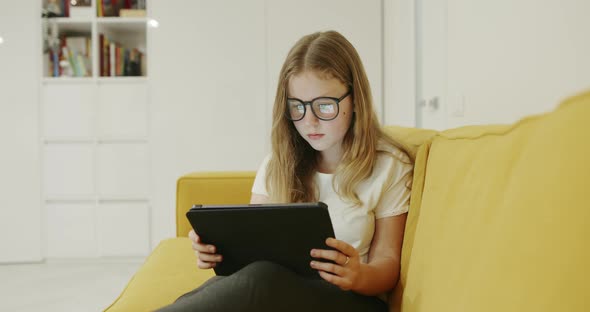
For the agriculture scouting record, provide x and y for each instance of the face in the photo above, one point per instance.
(323, 136)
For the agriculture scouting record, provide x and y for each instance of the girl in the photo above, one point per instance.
(327, 145)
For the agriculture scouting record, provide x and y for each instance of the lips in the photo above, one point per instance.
(315, 136)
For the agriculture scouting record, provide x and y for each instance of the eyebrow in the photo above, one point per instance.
(317, 97)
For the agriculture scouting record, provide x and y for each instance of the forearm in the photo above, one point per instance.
(377, 277)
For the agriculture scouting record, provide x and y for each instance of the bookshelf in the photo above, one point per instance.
(94, 124)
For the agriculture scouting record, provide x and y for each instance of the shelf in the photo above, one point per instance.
(71, 25)
(68, 80)
(122, 24)
(100, 80)
(125, 79)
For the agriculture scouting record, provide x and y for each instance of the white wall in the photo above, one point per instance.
(509, 59)
(213, 74)
(20, 212)
(208, 95)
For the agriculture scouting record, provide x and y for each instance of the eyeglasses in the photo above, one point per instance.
(324, 108)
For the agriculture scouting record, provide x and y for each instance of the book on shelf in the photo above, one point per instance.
(116, 60)
(71, 58)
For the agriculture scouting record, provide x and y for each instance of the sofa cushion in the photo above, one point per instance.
(169, 272)
(504, 219)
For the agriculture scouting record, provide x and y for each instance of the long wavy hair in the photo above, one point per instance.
(293, 161)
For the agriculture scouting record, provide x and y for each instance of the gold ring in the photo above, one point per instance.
(347, 259)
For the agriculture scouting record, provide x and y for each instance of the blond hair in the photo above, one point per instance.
(293, 161)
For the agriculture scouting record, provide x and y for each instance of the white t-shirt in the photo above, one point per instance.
(353, 224)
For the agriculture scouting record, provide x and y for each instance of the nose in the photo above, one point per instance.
(310, 118)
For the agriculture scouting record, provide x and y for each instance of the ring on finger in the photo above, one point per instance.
(346, 262)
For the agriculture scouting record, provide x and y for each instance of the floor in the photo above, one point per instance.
(64, 285)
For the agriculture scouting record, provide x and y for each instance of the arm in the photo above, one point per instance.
(381, 273)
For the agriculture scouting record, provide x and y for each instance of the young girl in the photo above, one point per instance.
(327, 145)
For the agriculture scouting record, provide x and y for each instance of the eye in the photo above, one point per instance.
(326, 108)
(296, 107)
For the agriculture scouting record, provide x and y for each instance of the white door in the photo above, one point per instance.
(20, 202)
(494, 62)
(430, 23)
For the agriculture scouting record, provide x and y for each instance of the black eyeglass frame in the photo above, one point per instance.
(337, 100)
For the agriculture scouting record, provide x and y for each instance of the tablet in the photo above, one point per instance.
(281, 233)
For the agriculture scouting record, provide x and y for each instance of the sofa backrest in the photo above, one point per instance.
(233, 187)
(210, 188)
(503, 220)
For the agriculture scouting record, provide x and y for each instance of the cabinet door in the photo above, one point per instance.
(20, 205)
(490, 62)
(431, 36)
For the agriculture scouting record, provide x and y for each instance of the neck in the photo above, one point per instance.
(328, 161)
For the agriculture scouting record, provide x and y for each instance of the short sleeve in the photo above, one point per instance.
(395, 199)
(259, 186)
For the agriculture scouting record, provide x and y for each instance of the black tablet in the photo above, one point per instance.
(281, 233)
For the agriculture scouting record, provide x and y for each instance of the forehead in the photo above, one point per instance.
(309, 85)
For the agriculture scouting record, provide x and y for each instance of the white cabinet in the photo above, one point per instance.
(94, 137)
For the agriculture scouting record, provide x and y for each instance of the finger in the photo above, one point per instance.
(342, 246)
(210, 257)
(204, 248)
(328, 267)
(206, 265)
(333, 255)
(192, 235)
(343, 283)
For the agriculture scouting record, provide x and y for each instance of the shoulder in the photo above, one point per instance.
(389, 155)
(392, 165)
(265, 161)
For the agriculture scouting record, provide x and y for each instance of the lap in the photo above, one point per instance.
(266, 286)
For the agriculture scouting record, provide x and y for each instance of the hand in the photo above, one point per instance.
(207, 258)
(345, 272)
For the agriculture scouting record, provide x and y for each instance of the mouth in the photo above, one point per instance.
(315, 136)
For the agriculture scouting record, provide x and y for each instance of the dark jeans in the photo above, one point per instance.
(266, 286)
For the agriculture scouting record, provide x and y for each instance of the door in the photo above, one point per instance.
(430, 29)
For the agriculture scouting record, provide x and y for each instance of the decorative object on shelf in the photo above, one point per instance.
(132, 13)
(121, 8)
(53, 9)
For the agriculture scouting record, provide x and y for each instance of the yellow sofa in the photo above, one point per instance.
(499, 220)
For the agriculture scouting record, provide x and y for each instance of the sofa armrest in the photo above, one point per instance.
(170, 271)
(210, 188)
